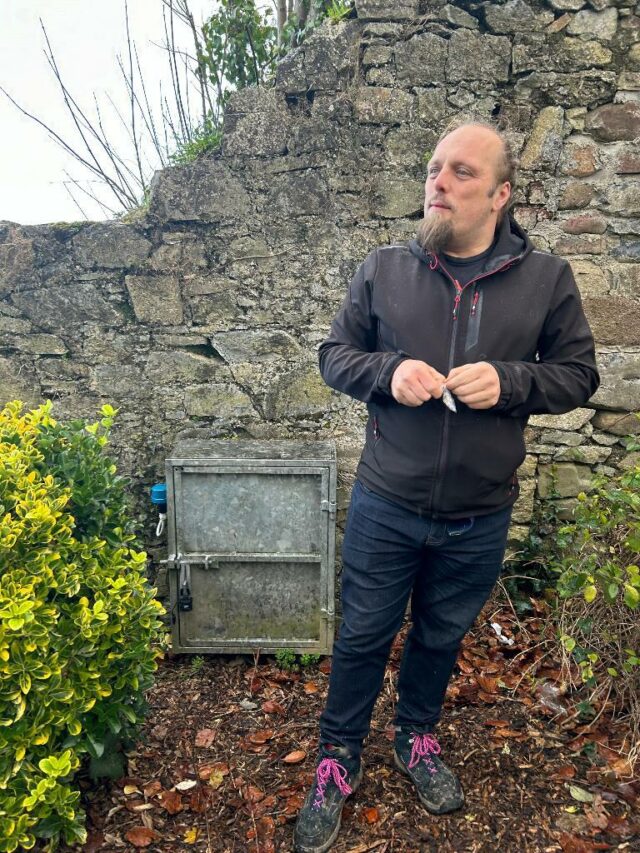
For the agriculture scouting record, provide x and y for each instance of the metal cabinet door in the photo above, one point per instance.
(259, 543)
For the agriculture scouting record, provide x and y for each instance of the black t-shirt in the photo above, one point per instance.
(465, 269)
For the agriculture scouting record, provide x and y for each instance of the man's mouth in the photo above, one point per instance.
(439, 205)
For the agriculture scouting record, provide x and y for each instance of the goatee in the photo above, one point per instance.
(434, 233)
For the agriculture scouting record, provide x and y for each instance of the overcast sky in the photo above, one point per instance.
(86, 37)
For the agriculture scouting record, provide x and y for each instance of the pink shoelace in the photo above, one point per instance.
(422, 745)
(330, 769)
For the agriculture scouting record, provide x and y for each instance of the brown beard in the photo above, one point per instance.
(434, 234)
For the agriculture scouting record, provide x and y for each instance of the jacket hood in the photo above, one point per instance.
(513, 244)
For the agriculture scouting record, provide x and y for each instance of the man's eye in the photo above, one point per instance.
(432, 171)
(463, 173)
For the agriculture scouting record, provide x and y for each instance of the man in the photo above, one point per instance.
(452, 341)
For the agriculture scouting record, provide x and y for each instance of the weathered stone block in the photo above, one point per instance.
(580, 158)
(477, 57)
(585, 225)
(432, 106)
(299, 194)
(297, 394)
(409, 145)
(626, 279)
(572, 90)
(255, 346)
(618, 423)
(585, 54)
(120, 381)
(179, 251)
(614, 122)
(624, 197)
(380, 105)
(382, 10)
(523, 507)
(627, 161)
(458, 17)
(377, 54)
(183, 368)
(564, 480)
(584, 455)
(110, 245)
(155, 299)
(575, 195)
(631, 460)
(572, 420)
(561, 436)
(620, 386)
(398, 197)
(544, 145)
(514, 17)
(204, 191)
(218, 401)
(57, 308)
(585, 244)
(567, 5)
(599, 25)
(421, 60)
(14, 325)
(16, 263)
(41, 344)
(614, 320)
(528, 468)
(18, 382)
(291, 75)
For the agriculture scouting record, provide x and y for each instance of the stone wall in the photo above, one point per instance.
(204, 314)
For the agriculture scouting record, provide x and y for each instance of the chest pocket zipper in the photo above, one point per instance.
(473, 328)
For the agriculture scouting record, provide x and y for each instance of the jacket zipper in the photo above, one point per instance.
(444, 445)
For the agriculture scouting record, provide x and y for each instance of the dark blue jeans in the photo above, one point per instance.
(448, 567)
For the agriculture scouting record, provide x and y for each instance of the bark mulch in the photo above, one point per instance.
(227, 754)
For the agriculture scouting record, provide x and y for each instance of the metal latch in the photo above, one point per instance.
(185, 599)
(330, 507)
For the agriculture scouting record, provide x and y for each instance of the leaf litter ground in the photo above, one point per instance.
(227, 754)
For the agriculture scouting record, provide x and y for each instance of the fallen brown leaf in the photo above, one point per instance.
(310, 687)
(371, 815)
(171, 801)
(205, 770)
(152, 788)
(205, 737)
(261, 736)
(253, 794)
(295, 757)
(273, 707)
(141, 836)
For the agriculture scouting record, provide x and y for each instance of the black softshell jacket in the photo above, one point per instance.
(523, 314)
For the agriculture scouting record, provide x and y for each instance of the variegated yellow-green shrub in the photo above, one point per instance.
(78, 621)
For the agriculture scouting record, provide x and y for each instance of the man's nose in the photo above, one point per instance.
(440, 182)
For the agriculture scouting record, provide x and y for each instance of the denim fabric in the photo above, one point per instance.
(448, 567)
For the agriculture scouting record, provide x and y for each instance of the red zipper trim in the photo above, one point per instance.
(459, 288)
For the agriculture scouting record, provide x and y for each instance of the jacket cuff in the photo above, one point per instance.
(383, 381)
(505, 385)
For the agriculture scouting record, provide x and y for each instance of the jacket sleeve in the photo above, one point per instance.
(349, 360)
(565, 376)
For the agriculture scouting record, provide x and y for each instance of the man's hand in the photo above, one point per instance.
(477, 385)
(414, 382)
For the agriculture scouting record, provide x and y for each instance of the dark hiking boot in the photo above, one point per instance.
(338, 775)
(417, 755)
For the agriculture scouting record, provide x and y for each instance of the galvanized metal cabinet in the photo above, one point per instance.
(251, 529)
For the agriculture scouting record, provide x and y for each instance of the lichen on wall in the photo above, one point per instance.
(204, 316)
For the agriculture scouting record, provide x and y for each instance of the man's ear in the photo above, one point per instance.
(502, 196)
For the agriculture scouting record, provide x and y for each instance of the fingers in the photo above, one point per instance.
(414, 382)
(477, 385)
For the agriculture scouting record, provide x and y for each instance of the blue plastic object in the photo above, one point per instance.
(159, 496)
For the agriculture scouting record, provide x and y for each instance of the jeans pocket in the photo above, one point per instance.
(460, 526)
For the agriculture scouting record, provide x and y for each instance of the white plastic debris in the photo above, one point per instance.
(498, 629)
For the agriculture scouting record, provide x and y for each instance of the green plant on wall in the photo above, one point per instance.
(78, 621)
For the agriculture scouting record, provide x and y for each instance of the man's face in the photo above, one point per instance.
(462, 194)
